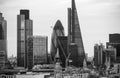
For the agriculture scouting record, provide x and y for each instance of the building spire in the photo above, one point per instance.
(73, 4)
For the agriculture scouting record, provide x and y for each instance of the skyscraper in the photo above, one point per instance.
(99, 54)
(58, 30)
(24, 30)
(3, 41)
(37, 50)
(74, 32)
(114, 41)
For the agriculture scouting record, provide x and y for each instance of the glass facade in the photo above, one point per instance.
(40, 44)
(58, 30)
(3, 41)
(37, 50)
(24, 29)
(74, 32)
(1, 32)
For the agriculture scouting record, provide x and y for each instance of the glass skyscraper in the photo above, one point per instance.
(24, 30)
(58, 30)
(74, 33)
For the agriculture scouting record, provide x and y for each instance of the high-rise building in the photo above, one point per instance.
(3, 41)
(99, 55)
(37, 50)
(104, 55)
(114, 41)
(58, 30)
(24, 30)
(74, 32)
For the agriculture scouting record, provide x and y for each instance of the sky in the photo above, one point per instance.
(97, 18)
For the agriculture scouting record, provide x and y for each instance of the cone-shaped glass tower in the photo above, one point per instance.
(58, 30)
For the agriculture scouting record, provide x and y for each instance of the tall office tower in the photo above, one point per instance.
(74, 32)
(3, 41)
(58, 30)
(24, 30)
(99, 55)
(37, 50)
(114, 41)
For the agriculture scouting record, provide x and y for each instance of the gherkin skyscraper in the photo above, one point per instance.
(58, 30)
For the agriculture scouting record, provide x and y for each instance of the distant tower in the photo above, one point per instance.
(3, 41)
(58, 30)
(99, 54)
(24, 30)
(74, 32)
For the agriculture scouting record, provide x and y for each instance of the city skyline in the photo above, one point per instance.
(97, 19)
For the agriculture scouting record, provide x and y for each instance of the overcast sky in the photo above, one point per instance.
(97, 18)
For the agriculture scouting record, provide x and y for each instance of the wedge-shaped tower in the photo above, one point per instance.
(74, 33)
